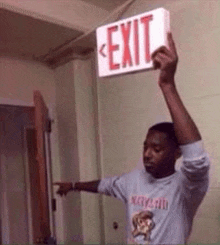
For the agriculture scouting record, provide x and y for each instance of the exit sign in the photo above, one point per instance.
(126, 45)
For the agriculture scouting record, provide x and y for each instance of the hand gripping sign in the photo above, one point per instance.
(126, 45)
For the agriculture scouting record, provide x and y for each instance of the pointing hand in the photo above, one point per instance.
(64, 187)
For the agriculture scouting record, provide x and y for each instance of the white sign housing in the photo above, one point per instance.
(126, 45)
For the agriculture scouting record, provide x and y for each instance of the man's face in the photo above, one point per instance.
(159, 154)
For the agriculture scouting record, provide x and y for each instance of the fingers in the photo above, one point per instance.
(156, 65)
(61, 192)
(64, 187)
(160, 60)
(161, 49)
(163, 56)
(61, 183)
(156, 59)
(171, 52)
(160, 56)
(58, 183)
(171, 43)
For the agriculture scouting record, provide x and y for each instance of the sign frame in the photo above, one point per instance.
(126, 45)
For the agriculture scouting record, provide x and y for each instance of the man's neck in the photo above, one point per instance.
(164, 174)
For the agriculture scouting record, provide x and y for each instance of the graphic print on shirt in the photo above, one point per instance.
(149, 203)
(143, 224)
(144, 209)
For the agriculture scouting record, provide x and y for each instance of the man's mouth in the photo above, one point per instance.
(149, 167)
(148, 164)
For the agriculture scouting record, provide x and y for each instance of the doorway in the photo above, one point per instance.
(21, 202)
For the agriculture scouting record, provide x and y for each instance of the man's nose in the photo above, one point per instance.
(148, 153)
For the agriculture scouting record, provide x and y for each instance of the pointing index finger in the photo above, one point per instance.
(57, 183)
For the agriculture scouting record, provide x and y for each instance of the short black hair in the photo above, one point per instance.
(167, 128)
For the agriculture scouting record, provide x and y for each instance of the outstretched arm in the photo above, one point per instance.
(91, 186)
(166, 60)
(65, 187)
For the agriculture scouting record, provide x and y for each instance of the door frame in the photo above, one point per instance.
(28, 186)
(5, 226)
(49, 182)
(27, 182)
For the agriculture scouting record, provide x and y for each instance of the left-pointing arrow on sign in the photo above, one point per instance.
(101, 50)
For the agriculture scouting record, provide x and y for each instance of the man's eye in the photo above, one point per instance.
(157, 149)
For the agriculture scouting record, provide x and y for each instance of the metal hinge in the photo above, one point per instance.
(49, 125)
(54, 205)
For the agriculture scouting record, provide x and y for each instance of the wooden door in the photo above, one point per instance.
(41, 125)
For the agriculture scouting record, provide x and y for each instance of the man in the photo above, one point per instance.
(161, 202)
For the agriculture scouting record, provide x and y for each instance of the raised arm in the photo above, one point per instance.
(166, 60)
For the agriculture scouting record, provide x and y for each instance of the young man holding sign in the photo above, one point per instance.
(161, 202)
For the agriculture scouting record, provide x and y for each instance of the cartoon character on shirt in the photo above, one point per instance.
(143, 224)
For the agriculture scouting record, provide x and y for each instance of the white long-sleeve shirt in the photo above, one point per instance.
(161, 211)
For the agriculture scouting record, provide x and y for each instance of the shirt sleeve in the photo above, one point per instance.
(195, 161)
(195, 174)
(114, 186)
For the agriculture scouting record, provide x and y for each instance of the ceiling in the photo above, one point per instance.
(31, 38)
(109, 5)
(26, 37)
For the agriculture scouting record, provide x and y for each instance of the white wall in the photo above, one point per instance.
(68, 150)
(87, 131)
(77, 118)
(130, 103)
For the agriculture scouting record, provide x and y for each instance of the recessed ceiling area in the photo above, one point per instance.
(25, 36)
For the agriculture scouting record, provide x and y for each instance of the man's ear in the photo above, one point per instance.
(178, 153)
